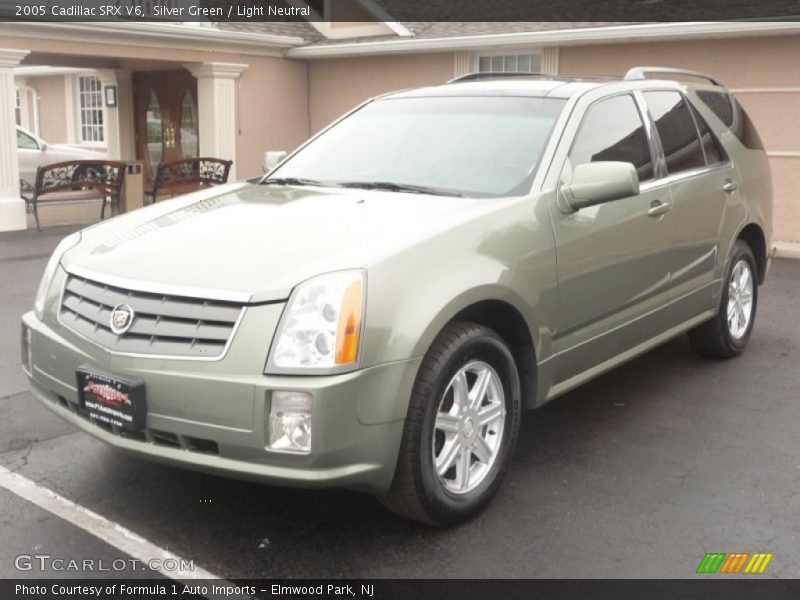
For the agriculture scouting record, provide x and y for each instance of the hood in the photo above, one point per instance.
(261, 241)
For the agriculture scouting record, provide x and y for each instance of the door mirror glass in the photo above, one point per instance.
(599, 182)
(272, 159)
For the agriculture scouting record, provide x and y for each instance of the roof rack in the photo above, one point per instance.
(641, 72)
(480, 75)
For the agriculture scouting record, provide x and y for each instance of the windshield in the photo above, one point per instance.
(470, 146)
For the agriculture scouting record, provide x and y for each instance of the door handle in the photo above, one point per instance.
(658, 208)
(729, 186)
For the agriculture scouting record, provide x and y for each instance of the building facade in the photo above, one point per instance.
(235, 92)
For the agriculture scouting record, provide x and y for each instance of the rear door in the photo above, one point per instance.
(701, 177)
(613, 259)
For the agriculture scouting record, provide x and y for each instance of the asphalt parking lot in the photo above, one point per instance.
(636, 474)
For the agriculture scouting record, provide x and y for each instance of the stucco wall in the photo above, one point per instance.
(337, 85)
(52, 107)
(764, 74)
(273, 105)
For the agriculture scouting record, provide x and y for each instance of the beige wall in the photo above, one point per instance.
(337, 85)
(758, 69)
(273, 110)
(52, 108)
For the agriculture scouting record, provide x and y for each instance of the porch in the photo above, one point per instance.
(156, 101)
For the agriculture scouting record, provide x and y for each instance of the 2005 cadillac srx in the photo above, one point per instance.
(376, 312)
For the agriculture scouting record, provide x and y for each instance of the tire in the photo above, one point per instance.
(721, 337)
(461, 356)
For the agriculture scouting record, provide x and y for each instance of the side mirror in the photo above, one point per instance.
(43, 146)
(272, 159)
(599, 182)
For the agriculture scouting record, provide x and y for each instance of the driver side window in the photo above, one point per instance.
(613, 129)
(25, 141)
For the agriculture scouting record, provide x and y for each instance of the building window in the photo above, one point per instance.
(90, 110)
(511, 63)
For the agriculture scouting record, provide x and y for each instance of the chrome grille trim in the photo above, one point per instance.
(166, 326)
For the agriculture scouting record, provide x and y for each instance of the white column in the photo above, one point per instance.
(127, 131)
(550, 60)
(111, 133)
(217, 109)
(12, 207)
(464, 63)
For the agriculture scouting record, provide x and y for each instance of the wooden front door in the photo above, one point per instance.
(166, 118)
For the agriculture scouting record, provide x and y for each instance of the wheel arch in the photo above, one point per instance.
(505, 318)
(753, 235)
(509, 324)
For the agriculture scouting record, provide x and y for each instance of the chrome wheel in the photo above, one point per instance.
(468, 429)
(740, 299)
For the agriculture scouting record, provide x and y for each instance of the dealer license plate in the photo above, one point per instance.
(110, 399)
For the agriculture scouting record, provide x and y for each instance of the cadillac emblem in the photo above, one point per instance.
(121, 318)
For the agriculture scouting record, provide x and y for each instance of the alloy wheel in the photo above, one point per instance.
(740, 299)
(469, 425)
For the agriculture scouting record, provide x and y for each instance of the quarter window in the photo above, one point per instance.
(677, 131)
(730, 112)
(613, 130)
(25, 141)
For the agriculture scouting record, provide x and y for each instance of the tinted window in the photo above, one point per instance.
(734, 116)
(711, 146)
(613, 130)
(677, 131)
(26, 141)
(720, 104)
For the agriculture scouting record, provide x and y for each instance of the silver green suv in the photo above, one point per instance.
(377, 311)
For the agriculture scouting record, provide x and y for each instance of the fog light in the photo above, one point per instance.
(27, 351)
(290, 422)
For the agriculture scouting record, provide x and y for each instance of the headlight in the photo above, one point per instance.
(321, 328)
(50, 270)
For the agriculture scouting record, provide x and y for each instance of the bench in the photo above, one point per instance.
(188, 175)
(75, 181)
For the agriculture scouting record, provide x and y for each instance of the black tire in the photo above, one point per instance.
(713, 339)
(417, 492)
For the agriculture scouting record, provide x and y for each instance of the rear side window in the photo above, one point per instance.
(711, 146)
(730, 112)
(676, 128)
(613, 130)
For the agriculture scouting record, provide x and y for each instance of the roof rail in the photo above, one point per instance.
(641, 72)
(480, 75)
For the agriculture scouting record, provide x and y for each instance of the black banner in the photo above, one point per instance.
(383, 589)
(578, 11)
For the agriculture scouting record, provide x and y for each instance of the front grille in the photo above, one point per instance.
(163, 325)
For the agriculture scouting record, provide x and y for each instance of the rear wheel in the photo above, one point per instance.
(462, 427)
(727, 334)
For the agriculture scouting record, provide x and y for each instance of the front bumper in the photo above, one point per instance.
(213, 416)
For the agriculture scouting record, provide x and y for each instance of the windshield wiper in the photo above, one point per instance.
(397, 187)
(291, 181)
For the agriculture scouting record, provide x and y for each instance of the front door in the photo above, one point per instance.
(613, 259)
(166, 118)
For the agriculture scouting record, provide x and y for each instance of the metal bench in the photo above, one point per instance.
(188, 175)
(75, 181)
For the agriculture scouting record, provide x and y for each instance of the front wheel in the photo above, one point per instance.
(461, 430)
(727, 334)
